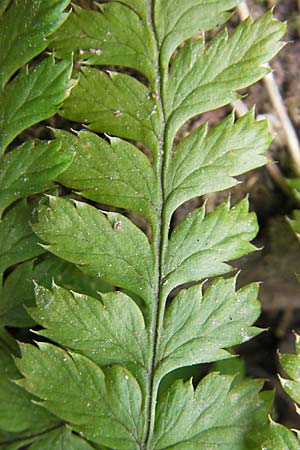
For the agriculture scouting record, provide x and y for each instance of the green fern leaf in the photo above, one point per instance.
(3, 5)
(291, 365)
(226, 151)
(32, 96)
(17, 291)
(294, 222)
(17, 240)
(216, 77)
(120, 252)
(281, 438)
(98, 162)
(106, 42)
(29, 169)
(61, 439)
(115, 103)
(197, 328)
(183, 423)
(176, 22)
(112, 400)
(111, 331)
(28, 94)
(19, 415)
(116, 348)
(200, 244)
(50, 269)
(24, 29)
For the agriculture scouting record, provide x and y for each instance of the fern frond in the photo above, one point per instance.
(30, 91)
(116, 348)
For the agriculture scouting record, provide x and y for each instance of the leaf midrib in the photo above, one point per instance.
(160, 236)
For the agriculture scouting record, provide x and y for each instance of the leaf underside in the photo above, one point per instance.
(30, 91)
(109, 352)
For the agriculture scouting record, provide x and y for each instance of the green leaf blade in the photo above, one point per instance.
(33, 96)
(280, 438)
(61, 439)
(30, 168)
(24, 28)
(139, 6)
(115, 103)
(19, 415)
(176, 21)
(212, 417)
(17, 240)
(114, 35)
(208, 162)
(107, 245)
(114, 173)
(202, 79)
(111, 330)
(108, 409)
(200, 245)
(17, 291)
(199, 327)
(291, 365)
(3, 5)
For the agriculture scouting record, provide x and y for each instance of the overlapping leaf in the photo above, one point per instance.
(114, 173)
(281, 438)
(200, 245)
(114, 35)
(291, 365)
(19, 415)
(33, 96)
(68, 275)
(17, 240)
(30, 168)
(278, 436)
(198, 327)
(111, 102)
(103, 244)
(294, 222)
(176, 21)
(108, 331)
(214, 416)
(24, 28)
(206, 77)
(139, 6)
(60, 439)
(207, 162)
(106, 406)
(18, 288)
(16, 292)
(3, 5)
